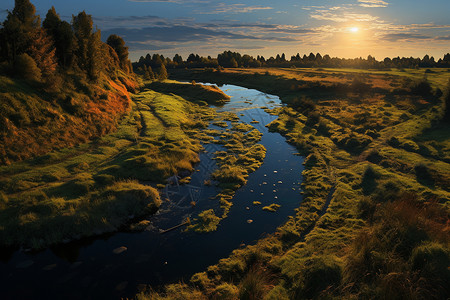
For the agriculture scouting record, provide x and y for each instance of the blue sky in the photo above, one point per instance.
(343, 28)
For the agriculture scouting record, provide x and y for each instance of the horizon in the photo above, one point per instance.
(344, 29)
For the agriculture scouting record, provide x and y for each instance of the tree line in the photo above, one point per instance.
(229, 59)
(40, 52)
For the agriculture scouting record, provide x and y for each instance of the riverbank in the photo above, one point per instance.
(97, 187)
(375, 185)
(115, 265)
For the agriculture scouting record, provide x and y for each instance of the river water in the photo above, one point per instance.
(93, 268)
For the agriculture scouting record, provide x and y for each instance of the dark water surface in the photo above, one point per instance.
(91, 269)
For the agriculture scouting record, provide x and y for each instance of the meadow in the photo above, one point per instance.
(374, 220)
(102, 185)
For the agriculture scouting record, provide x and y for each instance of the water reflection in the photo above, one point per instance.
(91, 268)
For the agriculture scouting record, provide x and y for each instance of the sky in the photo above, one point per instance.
(340, 28)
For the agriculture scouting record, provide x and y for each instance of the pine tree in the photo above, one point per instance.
(88, 45)
(94, 61)
(19, 28)
(163, 72)
(82, 27)
(42, 50)
(62, 35)
(118, 44)
(177, 59)
(148, 73)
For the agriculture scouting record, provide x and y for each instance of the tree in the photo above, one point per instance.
(65, 45)
(148, 73)
(42, 50)
(177, 59)
(163, 72)
(118, 44)
(82, 27)
(26, 67)
(19, 28)
(95, 58)
(52, 22)
(88, 50)
(62, 35)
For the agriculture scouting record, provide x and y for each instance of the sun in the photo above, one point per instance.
(354, 29)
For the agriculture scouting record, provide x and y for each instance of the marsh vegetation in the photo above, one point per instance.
(375, 188)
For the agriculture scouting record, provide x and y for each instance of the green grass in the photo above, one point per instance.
(371, 223)
(94, 187)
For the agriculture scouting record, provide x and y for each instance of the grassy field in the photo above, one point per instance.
(374, 220)
(98, 186)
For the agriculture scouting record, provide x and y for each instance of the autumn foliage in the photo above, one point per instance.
(60, 84)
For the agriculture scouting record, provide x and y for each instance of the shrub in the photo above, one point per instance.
(359, 85)
(255, 285)
(366, 208)
(423, 175)
(421, 87)
(226, 291)
(207, 221)
(368, 182)
(313, 118)
(432, 260)
(374, 156)
(27, 68)
(320, 273)
(303, 104)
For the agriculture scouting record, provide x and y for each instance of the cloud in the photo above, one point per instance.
(404, 37)
(312, 7)
(373, 3)
(174, 33)
(172, 1)
(106, 23)
(233, 9)
(443, 38)
(326, 15)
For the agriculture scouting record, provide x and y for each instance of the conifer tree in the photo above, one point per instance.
(19, 28)
(82, 27)
(88, 45)
(118, 44)
(62, 35)
(163, 72)
(42, 50)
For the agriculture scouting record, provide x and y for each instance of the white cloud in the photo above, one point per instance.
(373, 3)
(342, 17)
(234, 9)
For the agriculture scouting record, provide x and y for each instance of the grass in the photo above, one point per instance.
(272, 207)
(356, 234)
(95, 187)
(197, 93)
(35, 121)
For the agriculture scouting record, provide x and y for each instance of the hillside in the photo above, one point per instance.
(34, 122)
(60, 85)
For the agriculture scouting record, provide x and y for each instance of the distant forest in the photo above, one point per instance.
(229, 59)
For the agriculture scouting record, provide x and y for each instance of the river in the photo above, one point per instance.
(117, 265)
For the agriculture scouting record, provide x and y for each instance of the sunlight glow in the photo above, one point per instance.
(354, 29)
